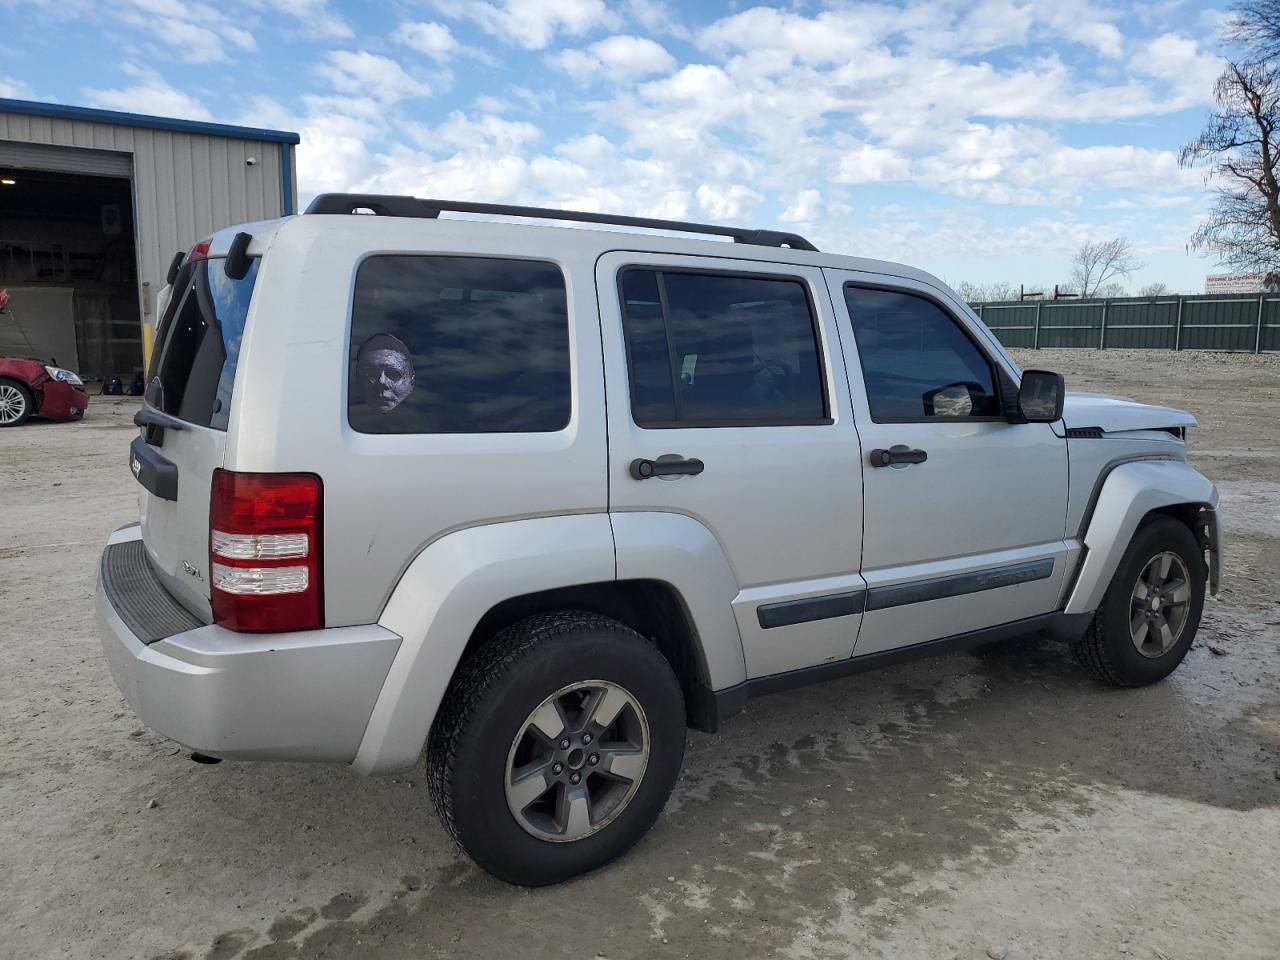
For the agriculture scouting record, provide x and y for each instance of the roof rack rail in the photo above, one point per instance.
(400, 206)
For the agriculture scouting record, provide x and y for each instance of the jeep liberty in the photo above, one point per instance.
(535, 499)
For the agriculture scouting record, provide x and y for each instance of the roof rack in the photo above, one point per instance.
(400, 206)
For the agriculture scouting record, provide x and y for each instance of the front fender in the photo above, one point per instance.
(1129, 493)
(442, 596)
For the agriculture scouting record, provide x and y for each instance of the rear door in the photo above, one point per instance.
(188, 400)
(729, 373)
(964, 528)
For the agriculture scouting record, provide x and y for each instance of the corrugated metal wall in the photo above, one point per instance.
(185, 185)
(1246, 323)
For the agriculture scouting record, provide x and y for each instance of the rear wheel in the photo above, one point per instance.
(1150, 614)
(16, 403)
(556, 747)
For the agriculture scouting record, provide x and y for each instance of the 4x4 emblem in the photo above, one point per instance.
(194, 571)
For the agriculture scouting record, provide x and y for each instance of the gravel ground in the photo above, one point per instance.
(998, 804)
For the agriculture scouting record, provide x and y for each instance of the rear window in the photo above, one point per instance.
(458, 345)
(198, 343)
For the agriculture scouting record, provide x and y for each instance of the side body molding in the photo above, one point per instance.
(678, 550)
(442, 596)
(1129, 492)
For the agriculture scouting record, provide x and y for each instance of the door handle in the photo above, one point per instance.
(667, 465)
(899, 454)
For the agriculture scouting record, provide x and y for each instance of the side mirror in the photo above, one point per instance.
(1041, 395)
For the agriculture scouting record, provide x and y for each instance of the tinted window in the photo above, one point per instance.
(458, 345)
(720, 349)
(916, 361)
(198, 343)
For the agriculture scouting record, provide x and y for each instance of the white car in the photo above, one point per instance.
(538, 498)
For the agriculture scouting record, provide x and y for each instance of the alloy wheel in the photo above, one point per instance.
(577, 761)
(13, 405)
(1160, 604)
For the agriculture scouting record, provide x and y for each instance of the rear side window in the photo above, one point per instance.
(458, 345)
(198, 343)
(917, 363)
(714, 349)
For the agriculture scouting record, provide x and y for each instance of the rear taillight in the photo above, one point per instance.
(264, 551)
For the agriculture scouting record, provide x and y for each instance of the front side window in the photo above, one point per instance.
(720, 350)
(917, 363)
(458, 345)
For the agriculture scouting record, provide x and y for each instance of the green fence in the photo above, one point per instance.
(1247, 323)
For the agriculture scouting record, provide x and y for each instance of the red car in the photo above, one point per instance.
(33, 388)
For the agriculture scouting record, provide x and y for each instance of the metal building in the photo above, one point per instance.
(93, 206)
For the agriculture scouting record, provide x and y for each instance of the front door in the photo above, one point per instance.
(728, 404)
(964, 510)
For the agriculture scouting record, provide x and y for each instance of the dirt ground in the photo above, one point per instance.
(998, 804)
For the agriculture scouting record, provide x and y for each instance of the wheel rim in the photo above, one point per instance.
(12, 403)
(577, 761)
(1160, 604)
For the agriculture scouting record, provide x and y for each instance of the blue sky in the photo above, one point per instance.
(982, 140)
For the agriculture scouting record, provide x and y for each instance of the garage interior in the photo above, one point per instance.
(68, 259)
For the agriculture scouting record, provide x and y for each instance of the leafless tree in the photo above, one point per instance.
(1101, 262)
(1240, 146)
(1254, 27)
(1154, 290)
(986, 292)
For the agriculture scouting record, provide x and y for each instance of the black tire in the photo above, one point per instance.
(1107, 649)
(12, 389)
(485, 710)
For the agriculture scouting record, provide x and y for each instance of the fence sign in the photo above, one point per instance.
(1235, 283)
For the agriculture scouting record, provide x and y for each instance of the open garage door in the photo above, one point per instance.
(53, 159)
(68, 258)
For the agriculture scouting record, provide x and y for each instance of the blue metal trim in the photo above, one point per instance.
(58, 111)
(286, 179)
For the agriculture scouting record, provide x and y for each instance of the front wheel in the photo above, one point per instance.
(556, 747)
(16, 403)
(1151, 611)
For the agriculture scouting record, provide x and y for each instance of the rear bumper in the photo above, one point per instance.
(281, 696)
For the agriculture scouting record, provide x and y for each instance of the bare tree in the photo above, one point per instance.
(1154, 290)
(986, 292)
(1240, 144)
(1099, 262)
(1254, 26)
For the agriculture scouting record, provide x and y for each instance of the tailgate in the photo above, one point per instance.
(184, 422)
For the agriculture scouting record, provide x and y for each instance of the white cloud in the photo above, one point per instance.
(368, 74)
(434, 39)
(656, 16)
(1181, 63)
(485, 132)
(152, 95)
(617, 58)
(314, 17)
(806, 207)
(190, 32)
(531, 24)
(727, 202)
(15, 89)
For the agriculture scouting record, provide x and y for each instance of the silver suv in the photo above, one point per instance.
(538, 498)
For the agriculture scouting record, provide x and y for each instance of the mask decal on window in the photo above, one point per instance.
(385, 371)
